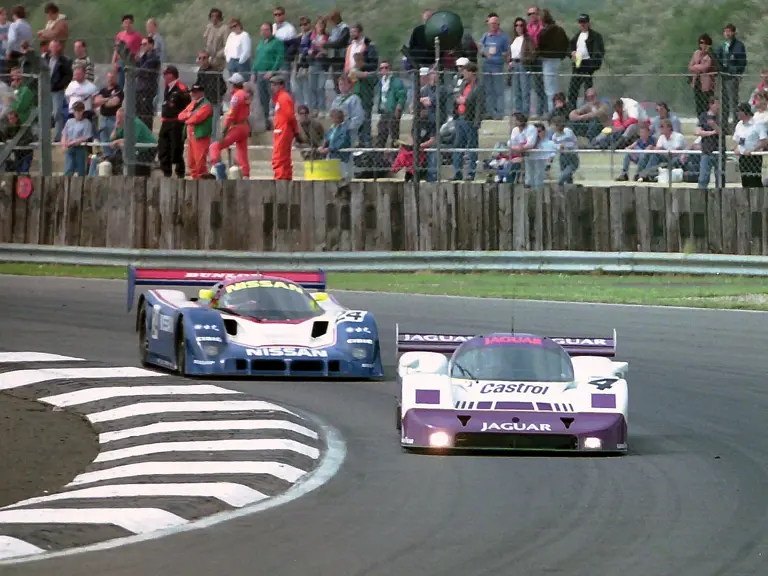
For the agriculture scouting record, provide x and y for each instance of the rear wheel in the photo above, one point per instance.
(181, 351)
(143, 338)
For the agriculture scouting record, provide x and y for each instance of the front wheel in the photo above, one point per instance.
(399, 416)
(181, 351)
(143, 338)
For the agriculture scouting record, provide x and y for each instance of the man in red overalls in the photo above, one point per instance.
(236, 130)
(286, 128)
(198, 117)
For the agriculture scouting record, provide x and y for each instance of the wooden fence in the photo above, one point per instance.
(264, 216)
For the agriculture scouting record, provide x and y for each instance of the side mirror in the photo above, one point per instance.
(320, 296)
(205, 294)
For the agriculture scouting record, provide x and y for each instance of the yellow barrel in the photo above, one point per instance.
(322, 169)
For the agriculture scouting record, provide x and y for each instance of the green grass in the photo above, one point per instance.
(696, 291)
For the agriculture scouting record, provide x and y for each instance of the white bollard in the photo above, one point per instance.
(105, 168)
(234, 172)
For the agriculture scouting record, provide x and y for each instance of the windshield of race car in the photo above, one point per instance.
(500, 358)
(267, 300)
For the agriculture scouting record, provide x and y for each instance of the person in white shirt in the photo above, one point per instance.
(80, 90)
(668, 140)
(521, 132)
(535, 154)
(520, 50)
(761, 108)
(238, 50)
(587, 53)
(749, 137)
(565, 143)
(287, 34)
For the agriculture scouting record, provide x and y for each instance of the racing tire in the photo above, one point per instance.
(143, 338)
(399, 416)
(181, 351)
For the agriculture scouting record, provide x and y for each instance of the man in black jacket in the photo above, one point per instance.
(170, 143)
(61, 75)
(587, 53)
(732, 59)
(214, 86)
(147, 73)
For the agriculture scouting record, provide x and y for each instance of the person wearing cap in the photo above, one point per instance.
(749, 137)
(587, 53)
(170, 146)
(236, 130)
(468, 117)
(198, 117)
(286, 129)
(77, 131)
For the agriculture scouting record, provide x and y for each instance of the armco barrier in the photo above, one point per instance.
(463, 261)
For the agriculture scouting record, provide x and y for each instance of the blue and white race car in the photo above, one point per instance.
(271, 324)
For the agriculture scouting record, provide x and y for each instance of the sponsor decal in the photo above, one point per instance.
(435, 338)
(166, 323)
(263, 284)
(580, 341)
(366, 365)
(513, 388)
(351, 316)
(160, 322)
(621, 446)
(281, 351)
(209, 339)
(363, 329)
(211, 327)
(359, 341)
(515, 427)
(203, 362)
(604, 383)
(407, 440)
(513, 340)
(216, 275)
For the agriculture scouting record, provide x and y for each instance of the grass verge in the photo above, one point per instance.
(696, 291)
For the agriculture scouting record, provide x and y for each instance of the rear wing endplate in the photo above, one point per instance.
(315, 280)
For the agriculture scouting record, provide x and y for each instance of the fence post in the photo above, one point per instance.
(721, 121)
(414, 130)
(438, 98)
(45, 101)
(129, 121)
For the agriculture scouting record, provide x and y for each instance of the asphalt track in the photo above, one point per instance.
(689, 499)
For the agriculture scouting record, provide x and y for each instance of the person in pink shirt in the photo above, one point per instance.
(132, 40)
(535, 70)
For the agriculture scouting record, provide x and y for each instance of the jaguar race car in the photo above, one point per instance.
(510, 391)
(272, 324)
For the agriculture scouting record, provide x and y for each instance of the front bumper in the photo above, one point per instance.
(284, 367)
(514, 430)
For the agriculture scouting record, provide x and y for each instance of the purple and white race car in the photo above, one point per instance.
(510, 391)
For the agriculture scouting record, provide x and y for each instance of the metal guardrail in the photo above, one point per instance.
(454, 261)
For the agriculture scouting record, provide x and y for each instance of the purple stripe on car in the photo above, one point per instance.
(514, 405)
(603, 400)
(427, 396)
(484, 405)
(544, 406)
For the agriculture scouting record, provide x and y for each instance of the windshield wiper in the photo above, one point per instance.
(466, 372)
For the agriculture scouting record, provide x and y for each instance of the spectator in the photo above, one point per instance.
(198, 117)
(286, 129)
(80, 90)
(522, 130)
(238, 49)
(318, 64)
(421, 52)
(589, 120)
(286, 33)
(144, 154)
(627, 114)
(669, 140)
(709, 131)
(587, 53)
(359, 44)
(702, 67)
(392, 97)
(61, 75)
(761, 108)
(494, 52)
(108, 101)
(762, 87)
(522, 54)
(350, 104)
(160, 47)
(82, 59)
(337, 138)
(23, 100)
(365, 61)
(236, 130)
(566, 143)
(336, 49)
(749, 137)
(553, 49)
(732, 57)
(311, 134)
(215, 37)
(645, 141)
(147, 82)
(5, 27)
(56, 26)
(537, 79)
(535, 156)
(469, 116)
(424, 129)
(132, 40)
(302, 62)
(23, 152)
(6, 98)
(212, 81)
(170, 145)
(77, 131)
(558, 108)
(18, 32)
(664, 113)
(270, 54)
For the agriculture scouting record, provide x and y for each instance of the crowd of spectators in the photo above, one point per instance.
(477, 80)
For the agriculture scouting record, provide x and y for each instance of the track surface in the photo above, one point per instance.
(690, 498)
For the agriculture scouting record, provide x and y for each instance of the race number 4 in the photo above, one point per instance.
(604, 383)
(352, 316)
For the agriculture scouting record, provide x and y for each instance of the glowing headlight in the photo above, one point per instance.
(359, 353)
(593, 443)
(439, 440)
(211, 349)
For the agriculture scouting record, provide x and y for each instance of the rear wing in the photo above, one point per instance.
(605, 347)
(179, 277)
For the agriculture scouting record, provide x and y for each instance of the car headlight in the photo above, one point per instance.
(439, 440)
(359, 353)
(593, 443)
(211, 349)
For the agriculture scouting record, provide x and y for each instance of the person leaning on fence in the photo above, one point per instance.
(750, 137)
(336, 139)
(76, 133)
(311, 134)
(20, 160)
(645, 141)
(198, 118)
(22, 99)
(108, 101)
(566, 144)
(285, 131)
(468, 117)
(709, 131)
(170, 149)
(235, 130)
(146, 146)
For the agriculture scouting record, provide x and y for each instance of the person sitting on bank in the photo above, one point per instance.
(145, 155)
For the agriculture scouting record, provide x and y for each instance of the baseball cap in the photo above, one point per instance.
(423, 71)
(462, 61)
(171, 70)
(583, 18)
(277, 79)
(236, 78)
(196, 88)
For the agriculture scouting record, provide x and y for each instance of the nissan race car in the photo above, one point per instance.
(511, 392)
(271, 324)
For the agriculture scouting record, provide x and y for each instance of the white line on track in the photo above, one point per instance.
(10, 547)
(7, 357)
(97, 394)
(235, 495)
(19, 378)
(209, 446)
(205, 425)
(283, 471)
(136, 520)
(148, 408)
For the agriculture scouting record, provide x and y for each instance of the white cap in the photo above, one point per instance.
(236, 78)
(424, 71)
(462, 61)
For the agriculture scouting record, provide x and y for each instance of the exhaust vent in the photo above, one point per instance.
(567, 422)
(230, 326)
(464, 419)
(319, 328)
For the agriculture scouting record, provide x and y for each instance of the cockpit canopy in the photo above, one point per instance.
(512, 357)
(266, 299)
